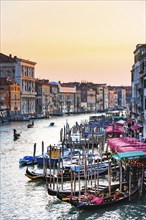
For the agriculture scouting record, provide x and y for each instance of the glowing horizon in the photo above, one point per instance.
(75, 40)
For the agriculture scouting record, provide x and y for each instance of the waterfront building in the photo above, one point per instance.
(105, 98)
(100, 98)
(43, 97)
(91, 100)
(67, 98)
(83, 88)
(138, 82)
(121, 97)
(23, 72)
(9, 97)
(113, 99)
(78, 100)
(55, 104)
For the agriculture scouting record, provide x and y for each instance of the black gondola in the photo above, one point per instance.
(52, 124)
(62, 192)
(30, 125)
(93, 201)
(16, 135)
(66, 175)
(66, 192)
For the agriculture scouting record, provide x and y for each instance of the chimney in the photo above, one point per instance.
(10, 55)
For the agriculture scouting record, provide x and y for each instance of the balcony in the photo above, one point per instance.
(28, 93)
(3, 107)
(28, 78)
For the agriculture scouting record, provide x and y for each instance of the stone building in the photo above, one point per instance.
(9, 98)
(138, 81)
(67, 98)
(23, 72)
(43, 97)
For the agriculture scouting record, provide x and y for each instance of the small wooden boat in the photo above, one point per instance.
(98, 201)
(51, 124)
(33, 175)
(16, 135)
(30, 125)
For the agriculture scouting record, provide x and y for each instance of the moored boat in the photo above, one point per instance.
(97, 201)
(60, 193)
(28, 160)
(30, 125)
(52, 124)
(66, 175)
(33, 175)
(16, 135)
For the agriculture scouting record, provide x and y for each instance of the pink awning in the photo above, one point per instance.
(126, 144)
(127, 149)
(129, 120)
(114, 129)
(135, 127)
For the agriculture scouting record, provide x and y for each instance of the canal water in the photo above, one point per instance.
(23, 199)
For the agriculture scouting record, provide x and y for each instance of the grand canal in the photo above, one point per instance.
(28, 200)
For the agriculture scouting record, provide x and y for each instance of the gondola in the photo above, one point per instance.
(65, 195)
(34, 176)
(67, 192)
(30, 125)
(93, 201)
(16, 135)
(51, 124)
(66, 175)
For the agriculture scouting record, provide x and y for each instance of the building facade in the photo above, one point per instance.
(113, 99)
(43, 97)
(23, 72)
(138, 81)
(67, 98)
(91, 100)
(9, 98)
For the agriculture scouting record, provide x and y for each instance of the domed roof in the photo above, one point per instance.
(53, 83)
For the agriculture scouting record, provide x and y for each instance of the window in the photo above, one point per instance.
(144, 83)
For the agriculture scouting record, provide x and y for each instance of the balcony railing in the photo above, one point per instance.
(28, 93)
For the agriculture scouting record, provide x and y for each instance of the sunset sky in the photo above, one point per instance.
(75, 40)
